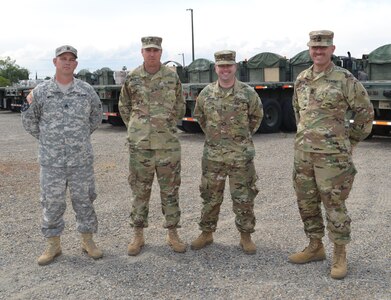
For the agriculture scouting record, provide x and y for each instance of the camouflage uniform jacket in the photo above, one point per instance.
(150, 106)
(63, 123)
(323, 105)
(228, 121)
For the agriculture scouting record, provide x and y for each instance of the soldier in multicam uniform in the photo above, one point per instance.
(324, 97)
(62, 113)
(150, 104)
(229, 113)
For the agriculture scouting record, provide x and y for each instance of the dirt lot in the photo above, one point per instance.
(220, 271)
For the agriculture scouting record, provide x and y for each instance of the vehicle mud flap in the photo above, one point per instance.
(115, 121)
(288, 117)
(190, 127)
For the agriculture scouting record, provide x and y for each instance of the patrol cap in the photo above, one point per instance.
(225, 57)
(64, 49)
(321, 38)
(151, 42)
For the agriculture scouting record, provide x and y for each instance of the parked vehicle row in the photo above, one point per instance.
(271, 75)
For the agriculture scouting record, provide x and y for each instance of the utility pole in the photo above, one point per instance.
(192, 33)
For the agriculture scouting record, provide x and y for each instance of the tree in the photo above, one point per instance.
(4, 81)
(11, 71)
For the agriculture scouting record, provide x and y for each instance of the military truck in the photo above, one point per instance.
(107, 84)
(14, 96)
(377, 65)
(272, 76)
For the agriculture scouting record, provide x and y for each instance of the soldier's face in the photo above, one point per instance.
(151, 56)
(65, 64)
(321, 56)
(225, 73)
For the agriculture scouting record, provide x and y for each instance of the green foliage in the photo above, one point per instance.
(4, 81)
(11, 71)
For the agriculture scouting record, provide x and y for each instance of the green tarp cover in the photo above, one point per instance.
(200, 64)
(381, 55)
(266, 60)
(83, 72)
(301, 58)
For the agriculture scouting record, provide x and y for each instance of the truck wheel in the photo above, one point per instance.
(288, 117)
(272, 117)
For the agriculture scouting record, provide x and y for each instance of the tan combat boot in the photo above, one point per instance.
(88, 245)
(175, 242)
(134, 247)
(53, 249)
(247, 244)
(339, 268)
(203, 240)
(314, 251)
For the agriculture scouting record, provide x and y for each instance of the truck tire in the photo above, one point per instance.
(288, 117)
(272, 117)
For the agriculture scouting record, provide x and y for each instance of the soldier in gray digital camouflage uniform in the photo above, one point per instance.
(62, 113)
(150, 104)
(229, 112)
(324, 97)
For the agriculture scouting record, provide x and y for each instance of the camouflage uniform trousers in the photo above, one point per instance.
(326, 178)
(81, 184)
(142, 167)
(242, 179)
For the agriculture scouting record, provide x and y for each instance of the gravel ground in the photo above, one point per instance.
(220, 271)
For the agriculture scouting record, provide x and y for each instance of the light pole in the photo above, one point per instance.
(183, 58)
(192, 33)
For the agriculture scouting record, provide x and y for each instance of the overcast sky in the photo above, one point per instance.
(107, 32)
